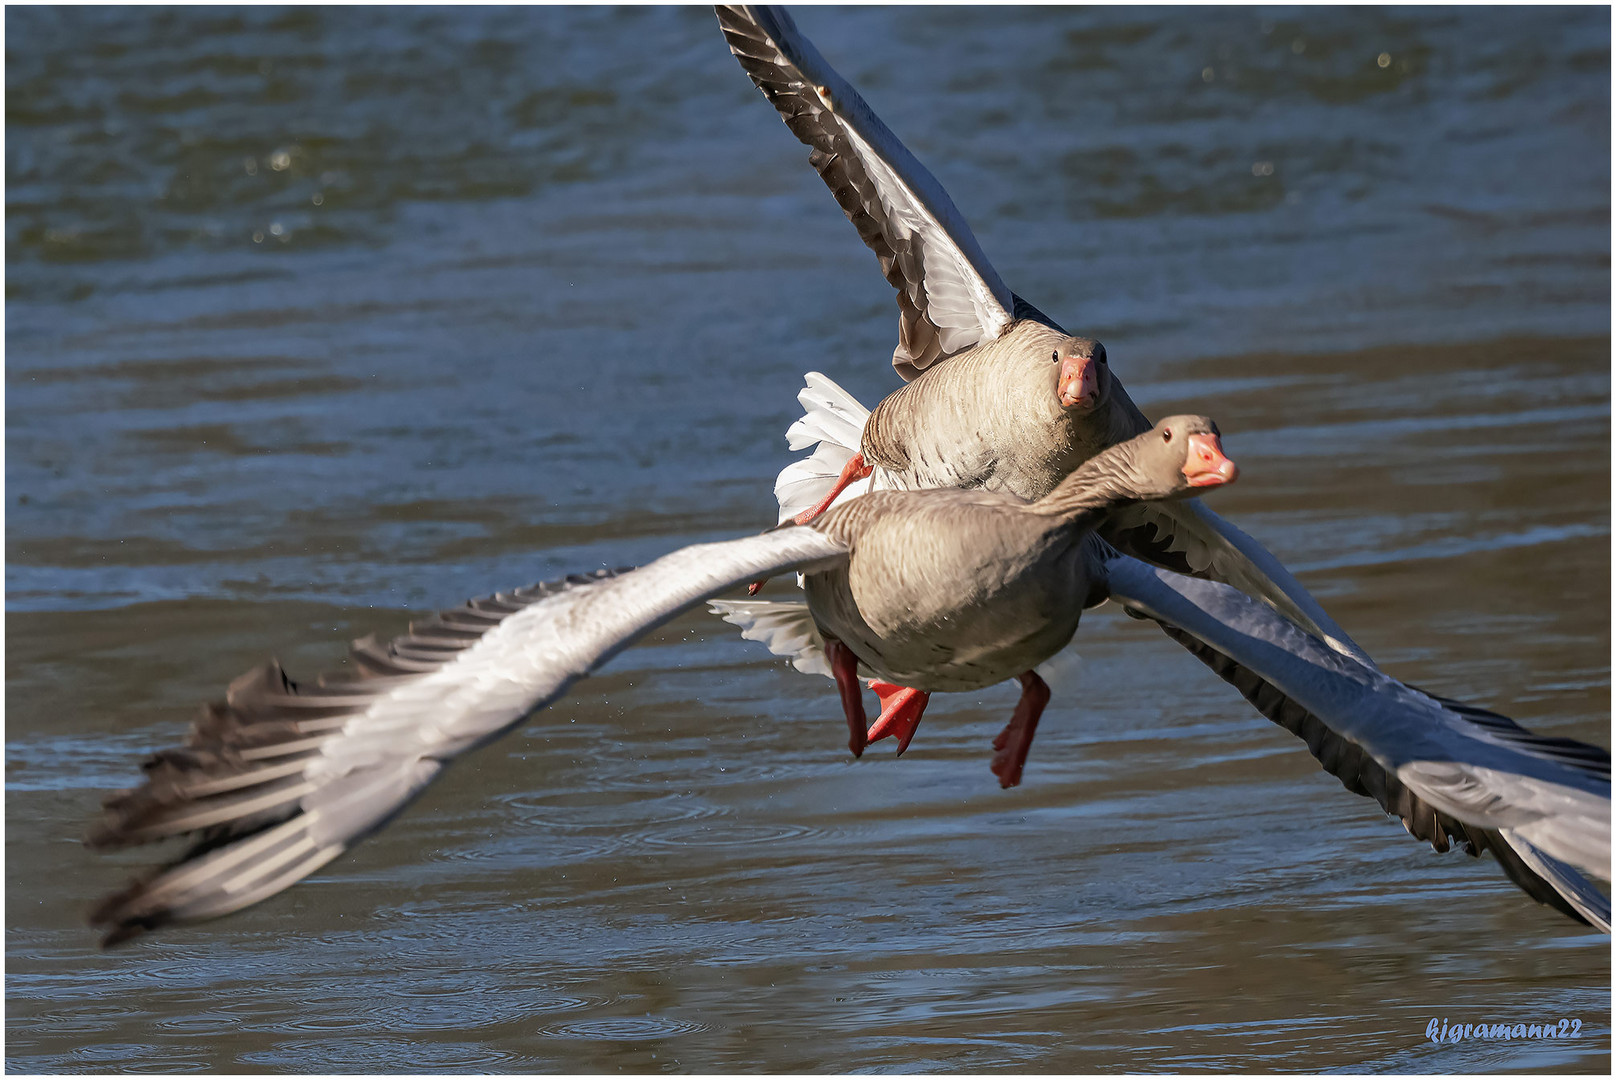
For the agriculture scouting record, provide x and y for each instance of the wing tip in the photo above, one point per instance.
(1539, 875)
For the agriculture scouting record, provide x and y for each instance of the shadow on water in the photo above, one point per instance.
(319, 318)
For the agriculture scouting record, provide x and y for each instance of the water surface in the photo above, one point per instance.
(320, 318)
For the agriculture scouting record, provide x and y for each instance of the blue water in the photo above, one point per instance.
(318, 318)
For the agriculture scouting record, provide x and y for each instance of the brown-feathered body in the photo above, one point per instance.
(991, 418)
(929, 610)
(948, 590)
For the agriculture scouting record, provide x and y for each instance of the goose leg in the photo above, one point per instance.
(901, 707)
(844, 665)
(855, 469)
(1015, 740)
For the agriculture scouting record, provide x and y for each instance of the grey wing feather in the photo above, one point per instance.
(279, 779)
(949, 295)
(1567, 884)
(1190, 538)
(1452, 772)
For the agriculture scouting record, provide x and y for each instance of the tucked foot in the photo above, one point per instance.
(844, 665)
(855, 469)
(901, 707)
(1015, 740)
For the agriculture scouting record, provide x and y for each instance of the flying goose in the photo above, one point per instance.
(948, 589)
(998, 396)
(963, 589)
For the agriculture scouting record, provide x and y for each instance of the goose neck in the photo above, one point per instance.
(1098, 486)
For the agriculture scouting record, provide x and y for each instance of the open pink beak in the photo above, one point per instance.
(1206, 466)
(1079, 383)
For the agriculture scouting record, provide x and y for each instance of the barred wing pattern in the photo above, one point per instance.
(279, 779)
(949, 295)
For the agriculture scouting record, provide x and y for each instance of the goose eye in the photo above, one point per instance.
(1055, 356)
(1167, 434)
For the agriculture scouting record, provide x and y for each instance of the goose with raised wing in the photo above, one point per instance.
(998, 396)
(944, 589)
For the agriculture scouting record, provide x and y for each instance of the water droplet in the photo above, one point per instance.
(258, 237)
(280, 161)
(1298, 46)
(276, 229)
(1206, 74)
(1262, 168)
(318, 199)
(251, 165)
(1384, 59)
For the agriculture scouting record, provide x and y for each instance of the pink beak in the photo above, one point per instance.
(1206, 466)
(1079, 383)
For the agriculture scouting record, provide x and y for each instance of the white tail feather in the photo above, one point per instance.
(834, 420)
(785, 626)
(805, 483)
(830, 414)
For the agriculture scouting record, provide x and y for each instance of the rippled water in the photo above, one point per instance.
(318, 318)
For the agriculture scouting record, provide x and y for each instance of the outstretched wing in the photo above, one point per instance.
(278, 779)
(1452, 772)
(949, 295)
(1187, 536)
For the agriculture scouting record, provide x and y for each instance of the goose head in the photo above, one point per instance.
(1082, 378)
(1180, 456)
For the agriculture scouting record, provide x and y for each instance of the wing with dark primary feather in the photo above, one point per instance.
(1452, 772)
(279, 779)
(949, 295)
(1187, 536)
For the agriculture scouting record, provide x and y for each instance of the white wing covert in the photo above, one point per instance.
(949, 295)
(1450, 771)
(279, 779)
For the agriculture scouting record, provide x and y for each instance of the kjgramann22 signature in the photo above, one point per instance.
(1440, 1031)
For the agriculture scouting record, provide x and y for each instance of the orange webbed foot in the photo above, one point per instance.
(901, 709)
